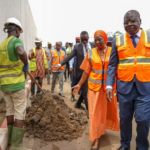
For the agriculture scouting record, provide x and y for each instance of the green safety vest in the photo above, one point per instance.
(32, 65)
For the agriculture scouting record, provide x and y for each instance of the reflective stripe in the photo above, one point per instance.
(99, 71)
(123, 61)
(11, 66)
(90, 55)
(148, 36)
(32, 67)
(11, 75)
(32, 60)
(143, 60)
(97, 81)
(121, 39)
(2, 50)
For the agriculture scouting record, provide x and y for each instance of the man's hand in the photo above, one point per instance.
(71, 70)
(50, 71)
(76, 89)
(56, 66)
(26, 68)
(32, 55)
(109, 94)
(46, 71)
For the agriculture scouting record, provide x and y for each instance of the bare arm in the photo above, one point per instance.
(78, 86)
(83, 78)
(22, 55)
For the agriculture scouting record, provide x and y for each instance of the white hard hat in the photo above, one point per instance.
(38, 40)
(14, 21)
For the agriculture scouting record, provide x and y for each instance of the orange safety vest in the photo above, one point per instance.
(134, 61)
(98, 75)
(56, 59)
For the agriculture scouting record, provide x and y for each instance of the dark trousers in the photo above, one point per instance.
(40, 81)
(83, 95)
(138, 105)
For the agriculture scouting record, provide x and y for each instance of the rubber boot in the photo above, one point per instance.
(9, 133)
(17, 139)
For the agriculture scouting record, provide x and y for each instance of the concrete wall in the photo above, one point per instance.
(19, 9)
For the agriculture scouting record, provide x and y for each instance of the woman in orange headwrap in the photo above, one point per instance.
(102, 113)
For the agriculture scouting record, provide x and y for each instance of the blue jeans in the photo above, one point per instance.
(138, 105)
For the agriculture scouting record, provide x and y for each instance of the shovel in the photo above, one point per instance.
(33, 79)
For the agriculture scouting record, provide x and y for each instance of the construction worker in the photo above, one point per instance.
(13, 61)
(48, 49)
(38, 65)
(57, 56)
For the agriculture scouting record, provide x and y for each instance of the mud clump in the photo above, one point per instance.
(50, 119)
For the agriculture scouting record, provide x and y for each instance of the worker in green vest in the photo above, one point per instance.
(13, 64)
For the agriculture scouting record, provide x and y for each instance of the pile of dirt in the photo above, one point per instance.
(2, 106)
(50, 119)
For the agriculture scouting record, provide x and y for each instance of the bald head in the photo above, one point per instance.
(132, 22)
(58, 45)
(135, 12)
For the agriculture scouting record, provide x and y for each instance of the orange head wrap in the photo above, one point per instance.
(102, 34)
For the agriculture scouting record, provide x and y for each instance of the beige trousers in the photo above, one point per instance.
(16, 103)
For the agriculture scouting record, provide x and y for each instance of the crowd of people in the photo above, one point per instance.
(103, 73)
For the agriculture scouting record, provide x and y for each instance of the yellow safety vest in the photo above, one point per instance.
(32, 65)
(10, 71)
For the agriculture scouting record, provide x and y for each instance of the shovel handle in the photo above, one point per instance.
(33, 79)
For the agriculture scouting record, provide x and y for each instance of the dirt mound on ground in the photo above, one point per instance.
(50, 119)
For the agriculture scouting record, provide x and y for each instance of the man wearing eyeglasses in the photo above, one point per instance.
(80, 51)
(130, 57)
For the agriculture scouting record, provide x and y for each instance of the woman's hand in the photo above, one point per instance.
(76, 89)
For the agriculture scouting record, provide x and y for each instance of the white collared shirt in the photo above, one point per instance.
(84, 50)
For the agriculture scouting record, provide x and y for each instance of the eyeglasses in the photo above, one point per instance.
(84, 40)
(131, 22)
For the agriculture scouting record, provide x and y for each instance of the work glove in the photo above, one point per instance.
(26, 68)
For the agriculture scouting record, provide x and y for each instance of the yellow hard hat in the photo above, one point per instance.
(49, 43)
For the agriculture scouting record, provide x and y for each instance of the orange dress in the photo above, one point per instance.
(102, 113)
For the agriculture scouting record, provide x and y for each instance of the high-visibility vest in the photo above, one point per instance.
(56, 59)
(98, 74)
(10, 71)
(32, 65)
(134, 61)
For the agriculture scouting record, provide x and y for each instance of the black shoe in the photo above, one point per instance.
(52, 91)
(79, 107)
(61, 94)
(72, 99)
(97, 147)
(122, 148)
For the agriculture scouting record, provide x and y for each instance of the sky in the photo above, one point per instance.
(63, 20)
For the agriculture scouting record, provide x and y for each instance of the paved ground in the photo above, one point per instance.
(110, 141)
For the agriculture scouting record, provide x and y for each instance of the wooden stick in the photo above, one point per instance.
(33, 79)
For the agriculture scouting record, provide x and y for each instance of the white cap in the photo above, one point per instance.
(14, 21)
(38, 40)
